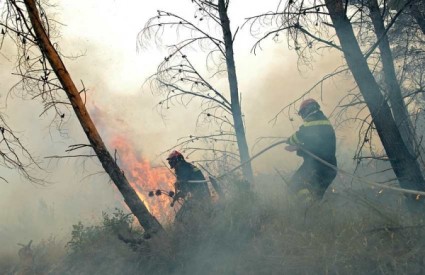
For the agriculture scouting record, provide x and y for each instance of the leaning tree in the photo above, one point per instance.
(44, 77)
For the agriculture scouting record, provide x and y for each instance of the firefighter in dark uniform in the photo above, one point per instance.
(314, 140)
(190, 185)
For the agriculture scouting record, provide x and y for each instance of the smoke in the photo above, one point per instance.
(113, 74)
(262, 233)
(74, 189)
(77, 189)
(275, 82)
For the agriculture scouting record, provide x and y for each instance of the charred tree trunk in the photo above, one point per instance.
(398, 107)
(147, 221)
(234, 93)
(403, 163)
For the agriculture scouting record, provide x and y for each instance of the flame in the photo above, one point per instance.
(139, 171)
(144, 177)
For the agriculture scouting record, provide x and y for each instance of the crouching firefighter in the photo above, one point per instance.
(190, 186)
(315, 142)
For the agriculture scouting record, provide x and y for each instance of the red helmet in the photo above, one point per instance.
(175, 155)
(308, 104)
(174, 158)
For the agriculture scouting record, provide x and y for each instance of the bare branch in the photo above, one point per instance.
(326, 77)
(71, 156)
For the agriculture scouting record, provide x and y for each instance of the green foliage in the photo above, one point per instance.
(261, 232)
(117, 220)
(99, 249)
(112, 224)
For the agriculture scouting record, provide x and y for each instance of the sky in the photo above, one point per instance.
(104, 36)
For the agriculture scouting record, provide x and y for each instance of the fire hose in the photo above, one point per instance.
(397, 189)
(339, 170)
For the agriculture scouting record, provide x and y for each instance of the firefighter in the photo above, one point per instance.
(314, 140)
(190, 185)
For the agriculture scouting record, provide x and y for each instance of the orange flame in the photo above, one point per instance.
(140, 172)
(144, 178)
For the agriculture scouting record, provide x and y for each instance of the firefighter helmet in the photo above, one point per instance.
(174, 157)
(307, 107)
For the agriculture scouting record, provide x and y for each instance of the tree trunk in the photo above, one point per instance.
(403, 163)
(398, 107)
(146, 220)
(234, 93)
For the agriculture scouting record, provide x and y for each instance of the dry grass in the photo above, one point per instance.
(261, 233)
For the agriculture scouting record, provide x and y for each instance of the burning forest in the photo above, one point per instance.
(281, 137)
(148, 181)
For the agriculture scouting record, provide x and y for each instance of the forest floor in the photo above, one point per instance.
(264, 232)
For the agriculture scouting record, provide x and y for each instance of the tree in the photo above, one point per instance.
(311, 23)
(45, 76)
(184, 80)
(404, 164)
(398, 107)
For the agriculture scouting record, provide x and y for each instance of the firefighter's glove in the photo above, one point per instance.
(176, 197)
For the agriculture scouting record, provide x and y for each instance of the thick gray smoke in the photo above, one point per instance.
(113, 74)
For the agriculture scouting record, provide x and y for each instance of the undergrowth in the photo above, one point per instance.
(252, 233)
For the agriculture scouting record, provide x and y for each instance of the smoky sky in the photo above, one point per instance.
(113, 73)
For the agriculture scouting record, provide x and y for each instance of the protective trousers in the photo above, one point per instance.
(314, 176)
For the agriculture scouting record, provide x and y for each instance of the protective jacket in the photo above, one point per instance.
(198, 201)
(316, 136)
(186, 173)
